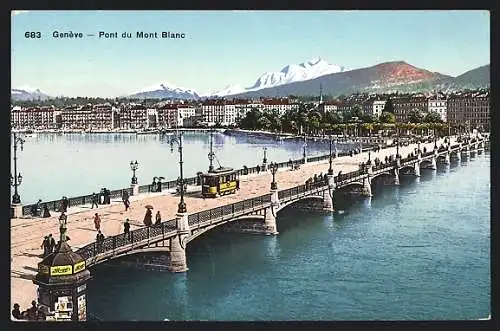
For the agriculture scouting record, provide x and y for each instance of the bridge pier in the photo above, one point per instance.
(328, 194)
(447, 158)
(457, 155)
(270, 214)
(416, 166)
(367, 182)
(479, 148)
(178, 245)
(466, 152)
(396, 176)
(433, 163)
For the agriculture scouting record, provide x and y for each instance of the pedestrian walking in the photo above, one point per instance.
(45, 245)
(52, 243)
(148, 217)
(158, 218)
(99, 240)
(125, 199)
(16, 313)
(46, 212)
(95, 199)
(97, 222)
(33, 311)
(126, 228)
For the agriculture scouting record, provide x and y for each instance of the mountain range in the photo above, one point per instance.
(307, 78)
(27, 93)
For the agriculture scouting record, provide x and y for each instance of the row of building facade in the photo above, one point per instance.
(472, 108)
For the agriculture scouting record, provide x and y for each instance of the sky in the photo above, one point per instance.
(223, 48)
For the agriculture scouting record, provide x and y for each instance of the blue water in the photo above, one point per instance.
(420, 251)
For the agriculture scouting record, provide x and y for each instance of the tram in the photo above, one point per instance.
(219, 182)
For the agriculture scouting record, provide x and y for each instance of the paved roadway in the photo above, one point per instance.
(27, 233)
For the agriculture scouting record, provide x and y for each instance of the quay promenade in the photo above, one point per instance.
(27, 234)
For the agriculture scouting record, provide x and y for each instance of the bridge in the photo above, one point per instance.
(165, 244)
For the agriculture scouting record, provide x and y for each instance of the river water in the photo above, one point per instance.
(419, 251)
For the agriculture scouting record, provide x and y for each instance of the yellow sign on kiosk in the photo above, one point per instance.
(79, 267)
(61, 270)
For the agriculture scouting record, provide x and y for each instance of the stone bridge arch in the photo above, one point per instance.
(195, 233)
(408, 170)
(426, 163)
(353, 187)
(313, 201)
(384, 178)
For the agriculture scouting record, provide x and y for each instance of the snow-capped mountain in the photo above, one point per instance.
(229, 90)
(165, 90)
(291, 73)
(25, 93)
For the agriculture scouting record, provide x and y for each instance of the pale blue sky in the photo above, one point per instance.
(233, 47)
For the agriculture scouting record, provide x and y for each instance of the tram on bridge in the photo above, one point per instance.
(219, 182)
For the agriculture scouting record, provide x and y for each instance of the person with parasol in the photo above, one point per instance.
(148, 218)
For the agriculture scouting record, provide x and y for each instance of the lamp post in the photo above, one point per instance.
(62, 228)
(274, 168)
(177, 138)
(435, 141)
(304, 148)
(397, 142)
(330, 169)
(134, 166)
(211, 155)
(17, 178)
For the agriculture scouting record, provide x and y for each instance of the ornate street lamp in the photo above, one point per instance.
(264, 160)
(62, 228)
(330, 169)
(274, 168)
(177, 138)
(211, 154)
(134, 166)
(397, 142)
(17, 178)
(304, 147)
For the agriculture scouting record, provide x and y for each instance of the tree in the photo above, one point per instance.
(389, 108)
(387, 117)
(416, 116)
(251, 119)
(433, 117)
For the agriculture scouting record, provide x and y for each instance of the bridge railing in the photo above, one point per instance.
(227, 210)
(113, 242)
